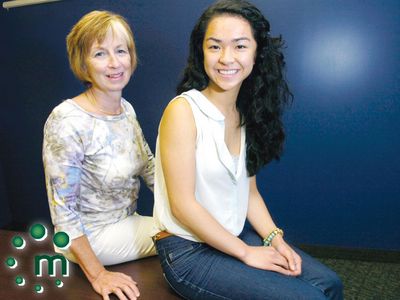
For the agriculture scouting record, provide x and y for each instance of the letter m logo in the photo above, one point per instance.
(51, 265)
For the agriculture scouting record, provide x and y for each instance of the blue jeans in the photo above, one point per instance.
(198, 271)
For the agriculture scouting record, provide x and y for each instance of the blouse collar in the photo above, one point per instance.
(205, 105)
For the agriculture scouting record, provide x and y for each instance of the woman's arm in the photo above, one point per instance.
(177, 147)
(261, 220)
(147, 173)
(62, 159)
(103, 282)
(257, 213)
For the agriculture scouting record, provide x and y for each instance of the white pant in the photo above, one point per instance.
(123, 241)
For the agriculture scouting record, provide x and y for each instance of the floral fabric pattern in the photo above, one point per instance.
(92, 166)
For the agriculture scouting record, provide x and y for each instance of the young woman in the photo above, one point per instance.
(213, 138)
(94, 152)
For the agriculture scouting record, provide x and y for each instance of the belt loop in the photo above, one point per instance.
(161, 235)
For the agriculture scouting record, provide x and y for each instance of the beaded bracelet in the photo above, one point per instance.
(268, 240)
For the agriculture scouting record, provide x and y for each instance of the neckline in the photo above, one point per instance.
(241, 127)
(218, 135)
(121, 116)
(205, 105)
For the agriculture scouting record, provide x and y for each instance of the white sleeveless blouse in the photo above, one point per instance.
(220, 187)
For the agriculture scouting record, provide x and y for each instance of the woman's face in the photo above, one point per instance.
(229, 52)
(109, 63)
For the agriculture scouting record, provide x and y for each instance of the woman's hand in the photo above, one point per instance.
(266, 258)
(280, 257)
(123, 286)
(292, 258)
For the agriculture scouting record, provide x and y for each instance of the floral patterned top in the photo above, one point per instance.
(92, 166)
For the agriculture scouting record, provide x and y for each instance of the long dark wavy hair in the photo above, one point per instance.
(263, 94)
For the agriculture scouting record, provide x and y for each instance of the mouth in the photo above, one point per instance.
(115, 76)
(228, 71)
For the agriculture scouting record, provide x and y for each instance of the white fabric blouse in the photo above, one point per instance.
(220, 187)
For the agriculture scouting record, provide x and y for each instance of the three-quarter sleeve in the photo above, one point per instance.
(148, 171)
(63, 153)
(145, 154)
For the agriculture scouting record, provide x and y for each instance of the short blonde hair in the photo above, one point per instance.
(91, 28)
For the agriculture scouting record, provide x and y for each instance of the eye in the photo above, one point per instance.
(99, 54)
(241, 47)
(214, 47)
(122, 51)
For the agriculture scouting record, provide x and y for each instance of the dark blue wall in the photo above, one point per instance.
(5, 215)
(338, 182)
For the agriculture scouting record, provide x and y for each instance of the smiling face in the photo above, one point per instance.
(109, 63)
(229, 52)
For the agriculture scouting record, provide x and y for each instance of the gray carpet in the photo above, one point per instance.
(366, 280)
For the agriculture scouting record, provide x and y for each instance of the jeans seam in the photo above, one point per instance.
(313, 285)
(171, 286)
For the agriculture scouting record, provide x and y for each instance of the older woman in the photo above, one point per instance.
(94, 152)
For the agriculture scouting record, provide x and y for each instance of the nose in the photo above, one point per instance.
(227, 56)
(113, 61)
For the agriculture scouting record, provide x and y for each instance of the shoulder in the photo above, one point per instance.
(60, 113)
(128, 107)
(178, 110)
(66, 117)
(182, 105)
(178, 104)
(68, 109)
(177, 118)
(63, 108)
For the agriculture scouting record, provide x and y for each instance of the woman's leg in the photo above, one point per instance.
(126, 240)
(197, 271)
(320, 276)
(313, 272)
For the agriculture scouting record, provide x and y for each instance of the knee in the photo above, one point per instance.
(334, 286)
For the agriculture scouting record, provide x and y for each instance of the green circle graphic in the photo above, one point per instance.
(18, 242)
(61, 239)
(59, 283)
(38, 232)
(11, 262)
(19, 280)
(38, 288)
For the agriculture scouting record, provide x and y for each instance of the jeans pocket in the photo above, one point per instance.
(180, 253)
(180, 259)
